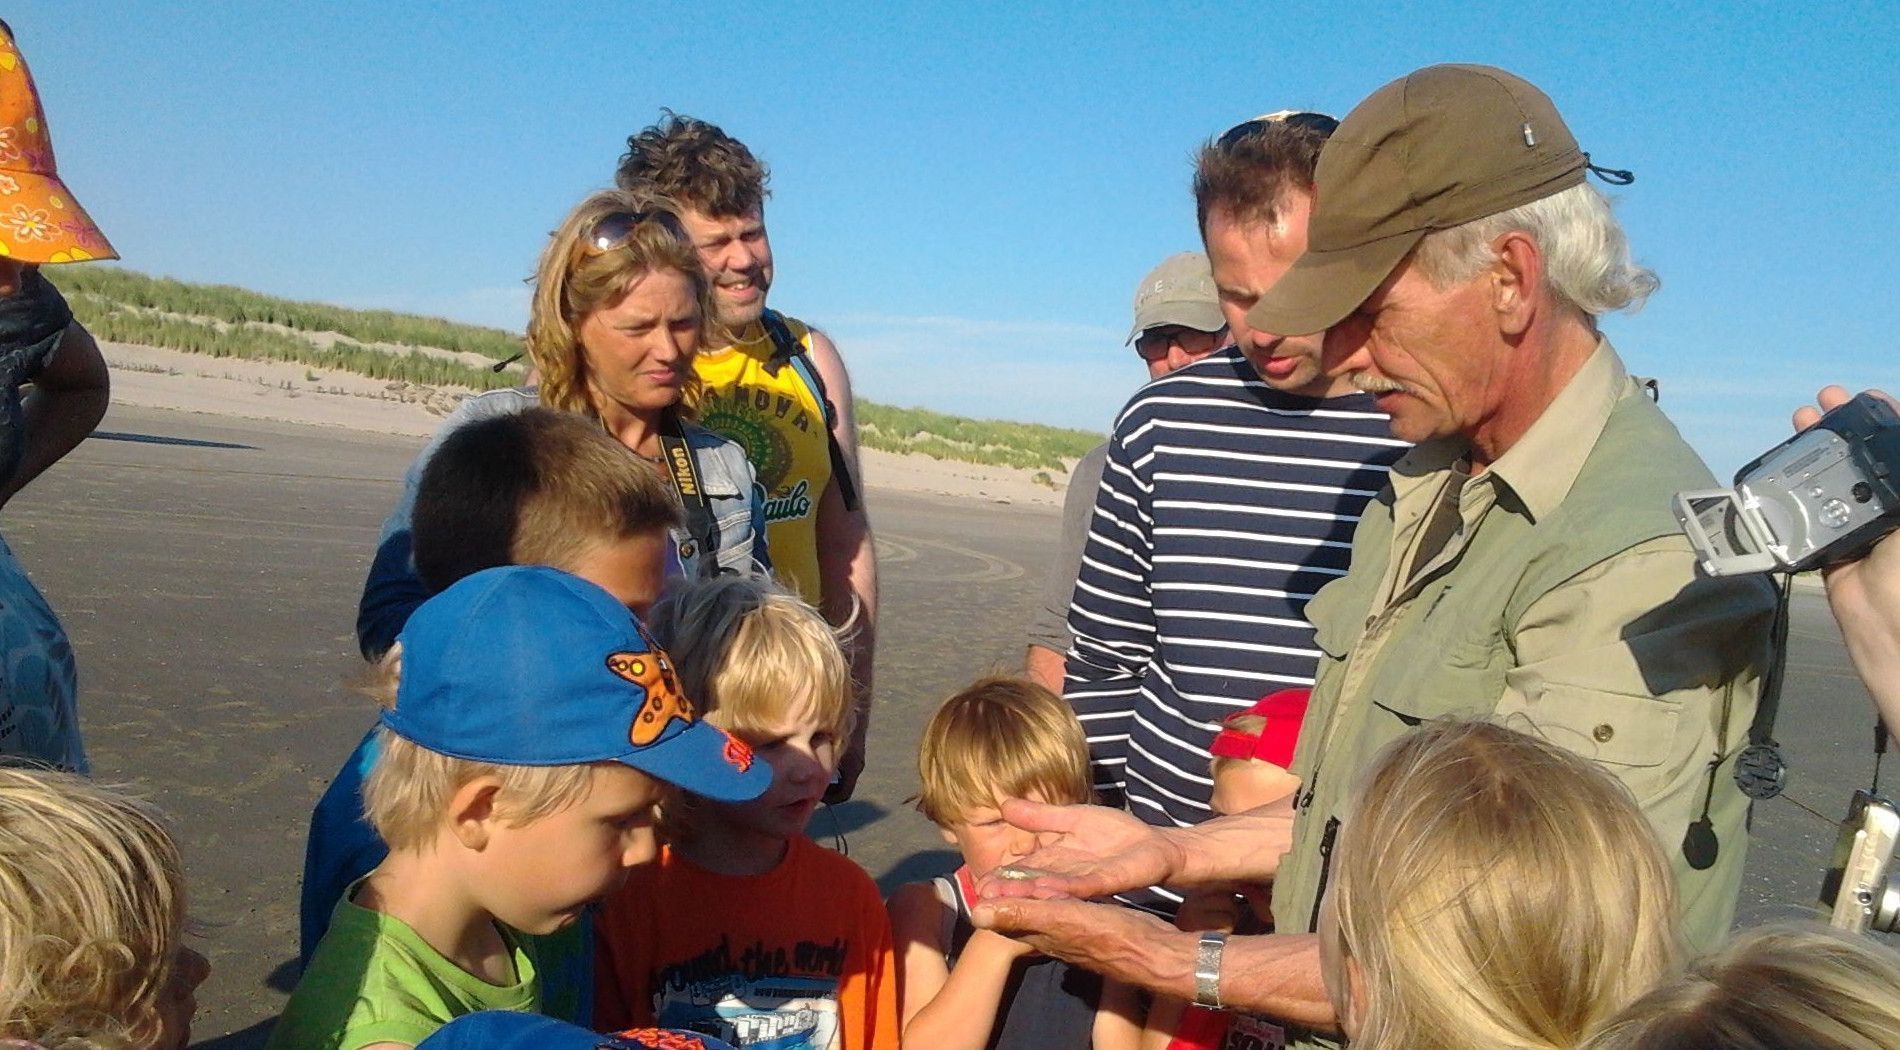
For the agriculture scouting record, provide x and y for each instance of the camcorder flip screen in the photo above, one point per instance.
(1715, 525)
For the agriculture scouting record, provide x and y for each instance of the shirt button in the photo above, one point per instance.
(1603, 733)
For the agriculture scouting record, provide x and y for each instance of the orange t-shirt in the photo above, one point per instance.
(799, 957)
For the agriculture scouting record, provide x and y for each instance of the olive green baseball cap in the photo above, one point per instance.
(1179, 291)
(1432, 150)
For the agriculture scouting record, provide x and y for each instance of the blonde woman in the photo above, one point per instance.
(621, 307)
(1491, 890)
(1783, 987)
(92, 918)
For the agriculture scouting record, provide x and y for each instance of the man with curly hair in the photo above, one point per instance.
(775, 385)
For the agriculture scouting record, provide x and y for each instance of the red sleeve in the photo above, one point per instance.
(1200, 1029)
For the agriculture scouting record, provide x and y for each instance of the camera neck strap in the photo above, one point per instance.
(1761, 732)
(1760, 770)
(701, 525)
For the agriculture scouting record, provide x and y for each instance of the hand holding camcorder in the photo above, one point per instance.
(1824, 496)
(1828, 498)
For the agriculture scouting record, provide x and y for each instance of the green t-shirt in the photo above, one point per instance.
(374, 980)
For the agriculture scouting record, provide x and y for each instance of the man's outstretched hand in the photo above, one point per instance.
(1088, 851)
(1108, 939)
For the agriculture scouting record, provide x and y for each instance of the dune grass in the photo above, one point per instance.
(237, 305)
(194, 336)
(125, 306)
(1031, 446)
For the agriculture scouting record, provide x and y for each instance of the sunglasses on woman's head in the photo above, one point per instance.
(1318, 123)
(616, 229)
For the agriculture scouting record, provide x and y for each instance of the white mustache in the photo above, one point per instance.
(1372, 384)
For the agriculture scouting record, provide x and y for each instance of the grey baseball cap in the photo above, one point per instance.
(1179, 291)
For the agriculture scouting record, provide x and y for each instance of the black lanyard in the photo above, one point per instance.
(701, 526)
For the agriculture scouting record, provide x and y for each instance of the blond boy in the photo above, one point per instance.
(521, 762)
(970, 989)
(745, 929)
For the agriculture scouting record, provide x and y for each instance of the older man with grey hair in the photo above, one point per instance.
(1521, 566)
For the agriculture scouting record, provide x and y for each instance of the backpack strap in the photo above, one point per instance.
(786, 349)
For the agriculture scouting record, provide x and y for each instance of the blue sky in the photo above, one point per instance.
(966, 194)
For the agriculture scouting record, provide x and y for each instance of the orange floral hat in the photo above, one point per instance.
(39, 220)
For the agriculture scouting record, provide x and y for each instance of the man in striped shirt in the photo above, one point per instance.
(1229, 498)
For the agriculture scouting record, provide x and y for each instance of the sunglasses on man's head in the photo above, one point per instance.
(616, 229)
(1318, 123)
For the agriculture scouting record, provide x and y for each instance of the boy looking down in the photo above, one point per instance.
(519, 768)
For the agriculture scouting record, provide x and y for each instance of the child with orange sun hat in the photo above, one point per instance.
(54, 388)
(40, 222)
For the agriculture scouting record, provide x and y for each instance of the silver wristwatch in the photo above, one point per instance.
(1207, 957)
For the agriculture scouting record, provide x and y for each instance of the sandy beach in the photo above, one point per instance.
(150, 377)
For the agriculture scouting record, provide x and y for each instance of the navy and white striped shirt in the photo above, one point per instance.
(1224, 506)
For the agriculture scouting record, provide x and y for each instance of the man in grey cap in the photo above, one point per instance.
(1177, 322)
(1458, 264)
(1228, 499)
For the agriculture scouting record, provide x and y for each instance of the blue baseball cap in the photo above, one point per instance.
(508, 1030)
(525, 665)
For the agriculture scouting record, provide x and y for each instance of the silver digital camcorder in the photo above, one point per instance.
(1821, 497)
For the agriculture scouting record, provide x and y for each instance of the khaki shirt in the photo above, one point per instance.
(1551, 593)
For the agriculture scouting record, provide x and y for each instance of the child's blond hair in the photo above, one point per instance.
(1005, 736)
(1496, 891)
(746, 651)
(1785, 985)
(92, 913)
(408, 790)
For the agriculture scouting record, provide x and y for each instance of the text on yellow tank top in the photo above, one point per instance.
(781, 426)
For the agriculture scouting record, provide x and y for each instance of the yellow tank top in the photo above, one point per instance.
(779, 422)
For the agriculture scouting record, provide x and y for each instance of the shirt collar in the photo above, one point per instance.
(1542, 466)
(1545, 462)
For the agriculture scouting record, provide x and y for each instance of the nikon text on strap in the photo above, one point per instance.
(701, 525)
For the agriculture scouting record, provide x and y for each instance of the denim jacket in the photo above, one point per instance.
(393, 590)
